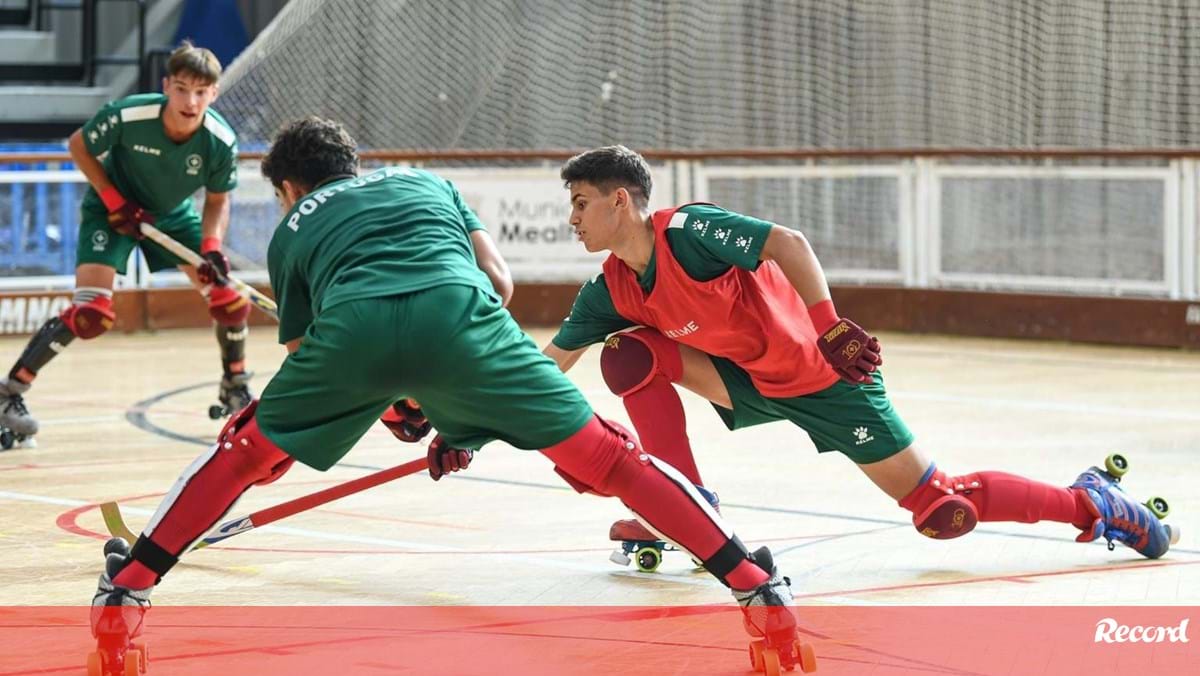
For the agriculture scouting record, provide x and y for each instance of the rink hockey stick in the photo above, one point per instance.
(117, 528)
(256, 297)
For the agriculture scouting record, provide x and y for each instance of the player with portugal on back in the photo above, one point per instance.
(390, 288)
(737, 310)
(144, 156)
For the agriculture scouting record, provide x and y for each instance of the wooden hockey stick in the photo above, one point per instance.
(256, 297)
(117, 528)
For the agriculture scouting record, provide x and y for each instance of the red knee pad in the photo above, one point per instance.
(600, 456)
(90, 319)
(630, 360)
(940, 506)
(260, 461)
(226, 306)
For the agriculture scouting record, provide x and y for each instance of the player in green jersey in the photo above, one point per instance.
(738, 311)
(389, 288)
(144, 156)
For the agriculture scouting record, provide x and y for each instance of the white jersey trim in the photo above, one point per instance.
(219, 130)
(138, 113)
(678, 220)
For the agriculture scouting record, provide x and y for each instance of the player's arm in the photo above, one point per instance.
(850, 350)
(488, 258)
(293, 344)
(564, 358)
(214, 221)
(88, 164)
(593, 318)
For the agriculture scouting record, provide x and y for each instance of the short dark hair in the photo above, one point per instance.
(609, 168)
(189, 60)
(310, 151)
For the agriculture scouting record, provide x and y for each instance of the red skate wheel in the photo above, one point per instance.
(145, 651)
(771, 666)
(806, 657)
(95, 664)
(756, 658)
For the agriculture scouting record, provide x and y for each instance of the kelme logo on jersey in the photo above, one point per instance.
(685, 330)
(194, 162)
(99, 240)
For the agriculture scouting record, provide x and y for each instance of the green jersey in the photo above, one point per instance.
(151, 169)
(390, 232)
(708, 243)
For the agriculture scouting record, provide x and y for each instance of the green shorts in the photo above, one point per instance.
(454, 349)
(857, 420)
(99, 243)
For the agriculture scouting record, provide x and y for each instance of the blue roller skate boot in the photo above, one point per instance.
(1118, 518)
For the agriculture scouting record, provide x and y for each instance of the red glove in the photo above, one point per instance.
(851, 351)
(406, 421)
(215, 268)
(443, 459)
(124, 217)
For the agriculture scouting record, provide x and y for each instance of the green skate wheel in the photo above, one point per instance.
(1158, 506)
(215, 412)
(1116, 465)
(648, 559)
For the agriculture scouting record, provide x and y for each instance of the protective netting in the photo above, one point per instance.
(727, 73)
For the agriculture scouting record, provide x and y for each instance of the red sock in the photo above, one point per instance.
(999, 496)
(657, 415)
(597, 457)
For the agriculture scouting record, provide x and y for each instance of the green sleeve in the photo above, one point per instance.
(223, 176)
(469, 218)
(593, 317)
(723, 236)
(291, 296)
(103, 131)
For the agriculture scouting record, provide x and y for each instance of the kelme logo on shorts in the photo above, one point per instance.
(99, 240)
(862, 436)
(193, 164)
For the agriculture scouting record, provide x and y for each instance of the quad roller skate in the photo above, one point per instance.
(1118, 518)
(644, 546)
(767, 616)
(17, 426)
(234, 394)
(117, 618)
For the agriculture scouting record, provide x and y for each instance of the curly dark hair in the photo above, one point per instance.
(609, 168)
(310, 151)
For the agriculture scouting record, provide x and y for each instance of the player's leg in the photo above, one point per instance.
(321, 401)
(487, 379)
(640, 366)
(100, 254)
(859, 421)
(228, 310)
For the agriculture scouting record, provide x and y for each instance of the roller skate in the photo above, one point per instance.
(17, 426)
(234, 394)
(1118, 518)
(646, 547)
(767, 615)
(118, 616)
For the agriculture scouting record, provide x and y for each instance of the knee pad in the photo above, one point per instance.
(601, 454)
(259, 461)
(941, 506)
(630, 360)
(90, 319)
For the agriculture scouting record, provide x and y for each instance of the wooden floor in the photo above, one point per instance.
(121, 416)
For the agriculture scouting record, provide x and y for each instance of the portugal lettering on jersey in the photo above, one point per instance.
(313, 201)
